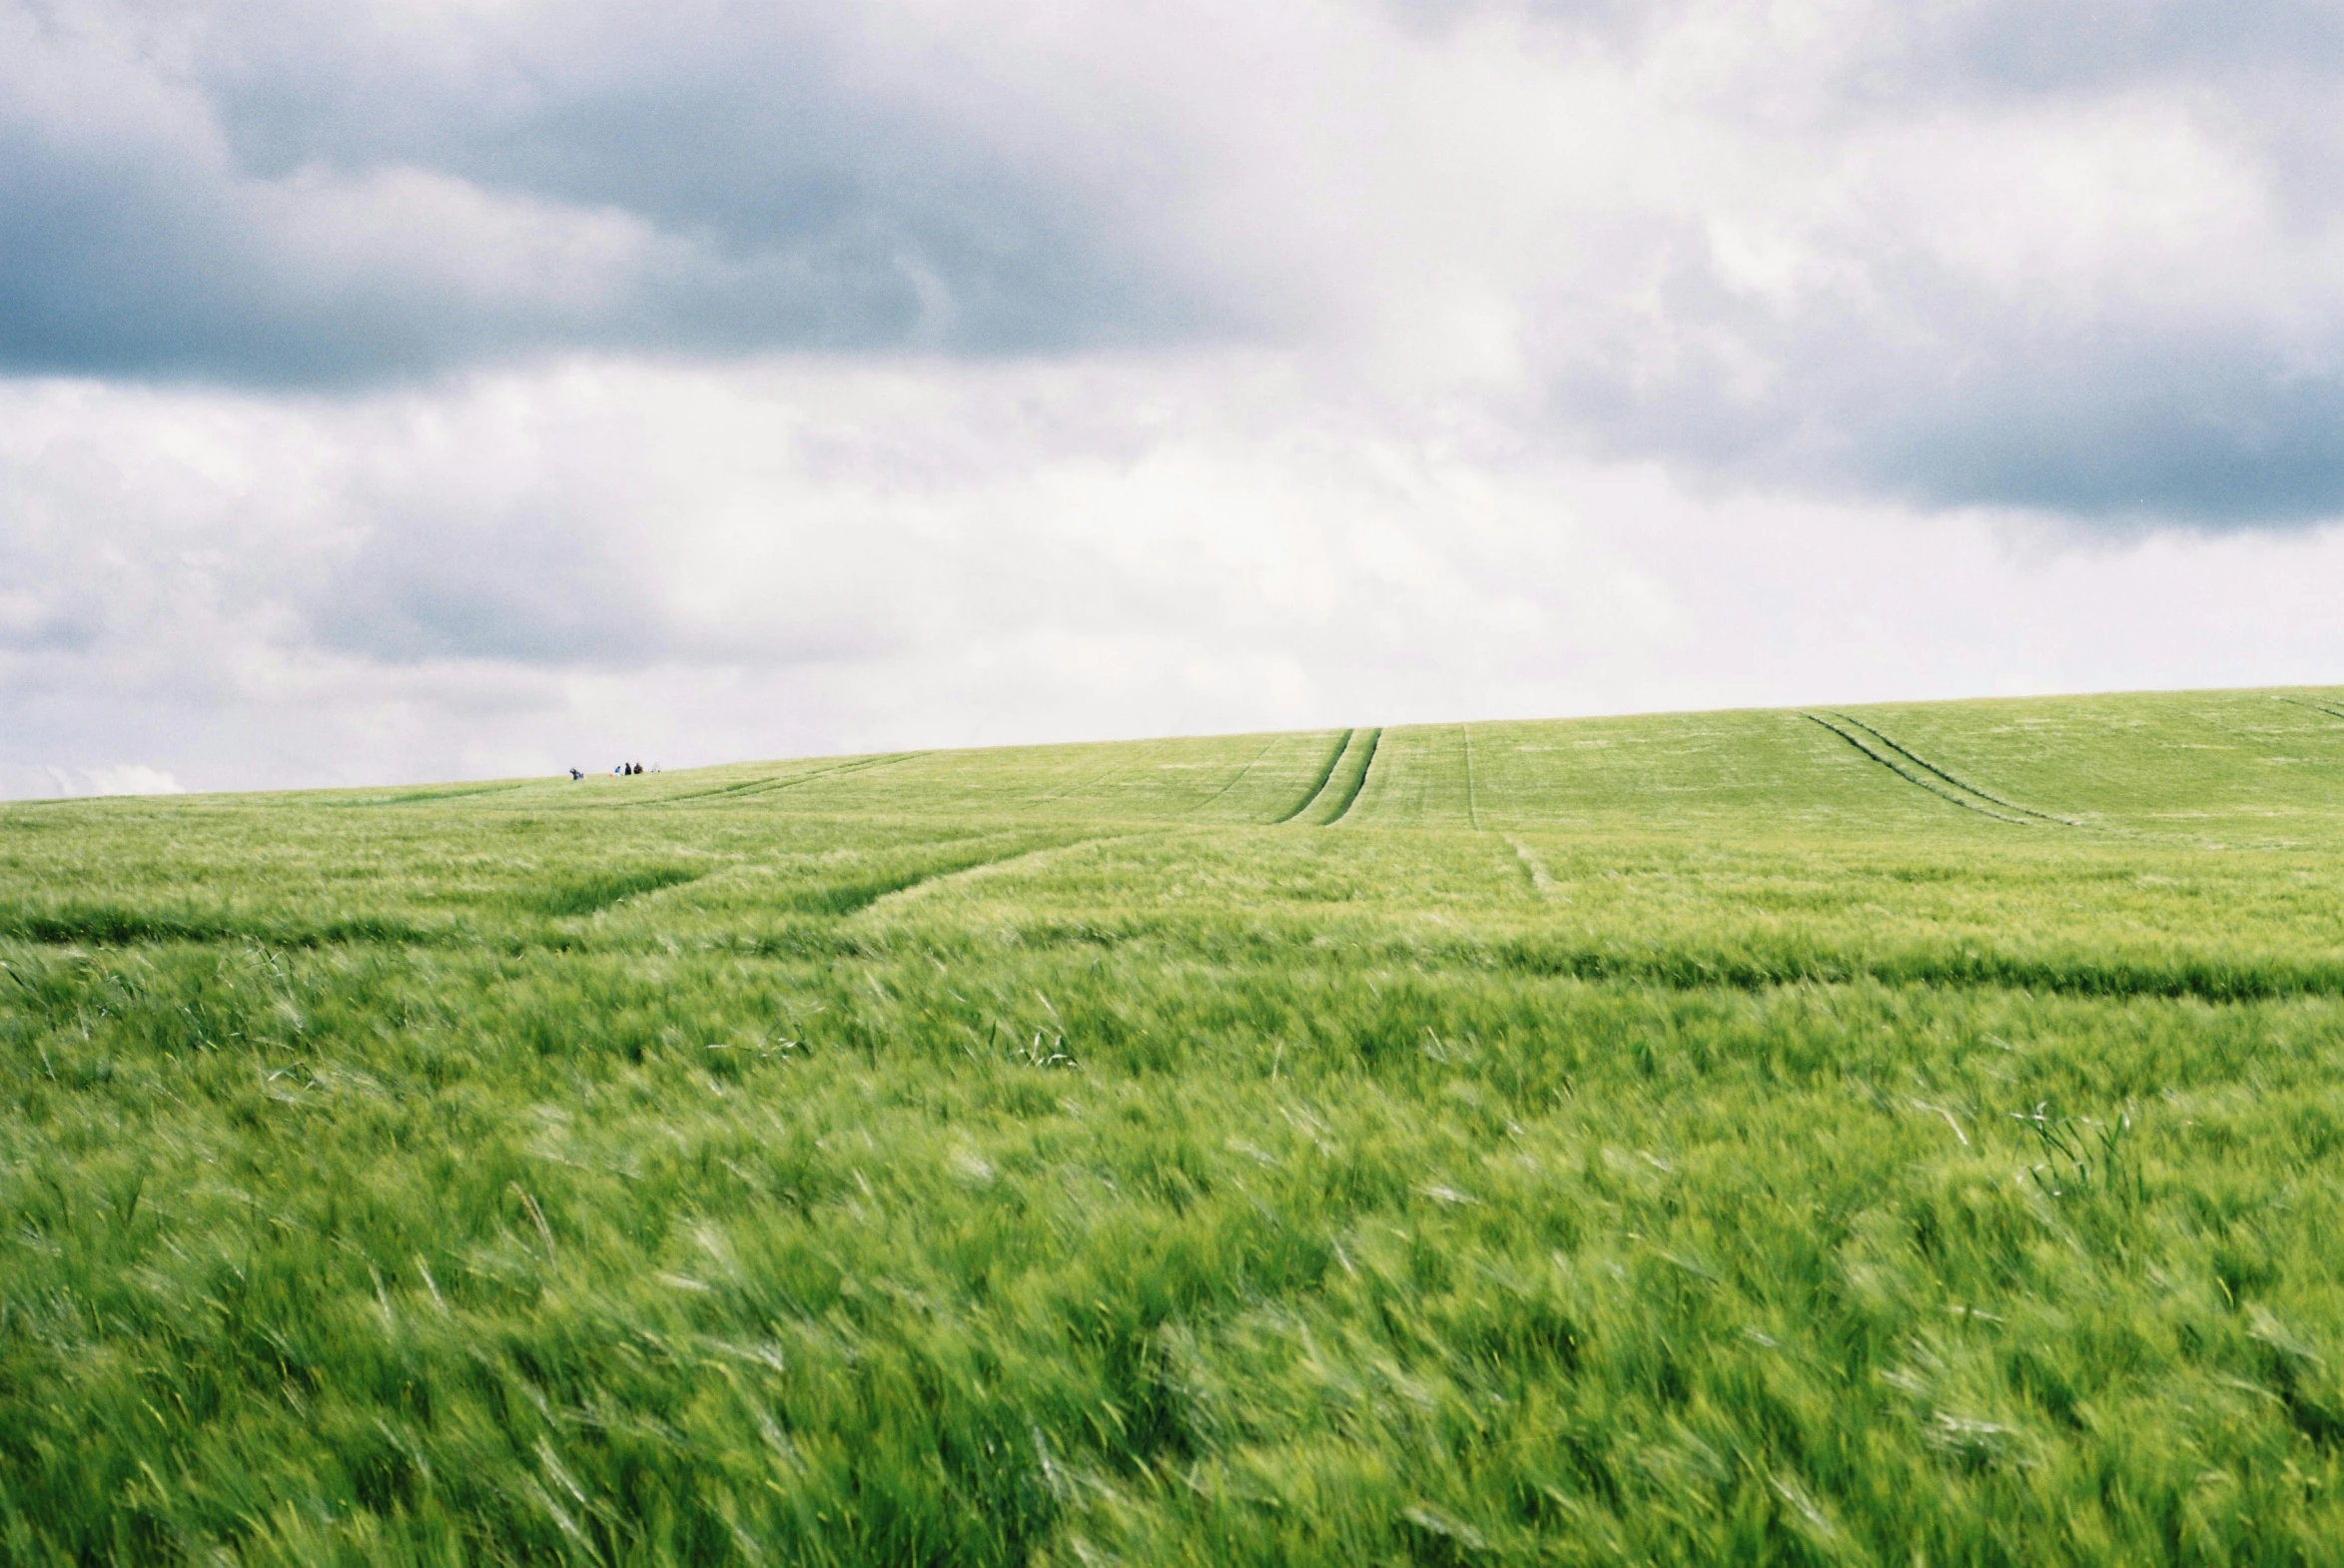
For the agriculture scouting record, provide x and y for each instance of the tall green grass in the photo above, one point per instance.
(1681, 1140)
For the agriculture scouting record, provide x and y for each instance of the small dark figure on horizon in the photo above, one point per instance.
(576, 775)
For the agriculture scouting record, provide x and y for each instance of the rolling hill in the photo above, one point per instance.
(1841, 1135)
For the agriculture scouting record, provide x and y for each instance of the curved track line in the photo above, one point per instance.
(2316, 707)
(1117, 770)
(1909, 776)
(1236, 779)
(1472, 810)
(428, 797)
(1920, 761)
(745, 787)
(772, 787)
(1366, 766)
(1540, 882)
(922, 885)
(1341, 745)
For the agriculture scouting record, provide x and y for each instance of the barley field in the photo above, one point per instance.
(1904, 1133)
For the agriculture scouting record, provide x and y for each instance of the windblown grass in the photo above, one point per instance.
(1684, 1139)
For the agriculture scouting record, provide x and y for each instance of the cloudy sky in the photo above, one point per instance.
(443, 388)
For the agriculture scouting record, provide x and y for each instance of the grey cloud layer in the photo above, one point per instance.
(2048, 257)
(302, 195)
(1942, 394)
(2062, 259)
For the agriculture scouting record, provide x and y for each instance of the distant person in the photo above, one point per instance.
(576, 775)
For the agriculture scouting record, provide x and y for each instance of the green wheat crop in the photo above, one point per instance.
(1902, 1134)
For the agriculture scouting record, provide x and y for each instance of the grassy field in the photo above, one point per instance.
(1886, 1135)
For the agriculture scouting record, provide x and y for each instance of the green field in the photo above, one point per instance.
(1908, 1134)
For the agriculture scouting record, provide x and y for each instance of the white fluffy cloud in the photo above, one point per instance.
(684, 564)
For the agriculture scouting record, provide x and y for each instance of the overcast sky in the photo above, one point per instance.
(460, 388)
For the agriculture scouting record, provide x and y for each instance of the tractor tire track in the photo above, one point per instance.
(2316, 707)
(1356, 783)
(732, 792)
(1957, 782)
(1318, 789)
(1113, 771)
(1891, 758)
(1540, 882)
(928, 882)
(1236, 779)
(430, 797)
(1473, 807)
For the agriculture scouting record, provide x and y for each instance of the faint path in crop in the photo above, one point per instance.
(1472, 806)
(1236, 778)
(1341, 745)
(1540, 882)
(772, 786)
(2316, 707)
(1114, 770)
(593, 895)
(1913, 770)
(926, 882)
(425, 797)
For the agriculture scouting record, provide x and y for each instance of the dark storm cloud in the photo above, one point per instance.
(290, 196)
(1933, 391)
(2015, 46)
(1966, 47)
(2212, 433)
